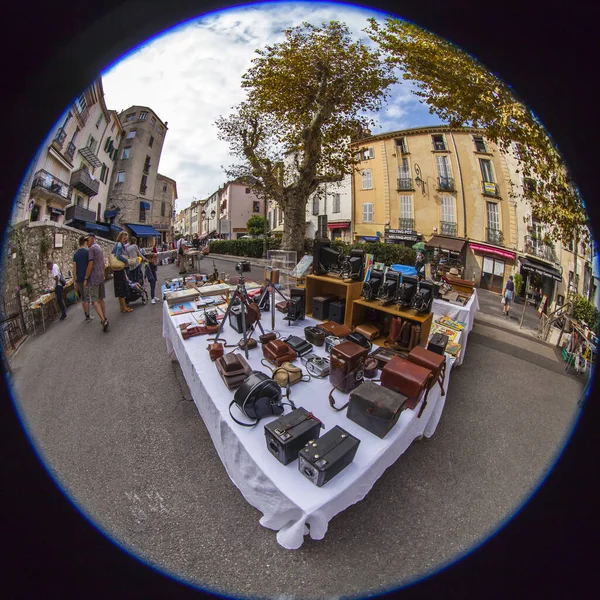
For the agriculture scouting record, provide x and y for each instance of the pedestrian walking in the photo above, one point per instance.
(59, 287)
(181, 255)
(94, 279)
(134, 265)
(120, 277)
(151, 276)
(80, 265)
(509, 292)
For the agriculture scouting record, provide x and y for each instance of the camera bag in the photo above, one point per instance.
(233, 369)
(287, 374)
(268, 337)
(432, 361)
(258, 396)
(189, 330)
(369, 331)
(409, 379)
(282, 306)
(314, 335)
(335, 329)
(346, 368)
(375, 408)
(278, 352)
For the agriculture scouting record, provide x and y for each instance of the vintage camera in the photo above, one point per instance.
(235, 317)
(288, 434)
(295, 305)
(371, 288)
(423, 299)
(211, 317)
(406, 291)
(301, 346)
(387, 290)
(331, 341)
(322, 459)
(316, 365)
(351, 266)
(243, 267)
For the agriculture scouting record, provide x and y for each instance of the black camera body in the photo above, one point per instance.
(235, 317)
(406, 291)
(243, 267)
(422, 301)
(387, 290)
(371, 288)
(352, 266)
(211, 317)
(322, 459)
(296, 305)
(286, 436)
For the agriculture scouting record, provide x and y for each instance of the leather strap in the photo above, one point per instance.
(296, 418)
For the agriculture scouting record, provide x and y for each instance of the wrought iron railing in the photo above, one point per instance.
(53, 184)
(407, 224)
(540, 249)
(446, 184)
(405, 183)
(70, 152)
(60, 137)
(448, 228)
(83, 181)
(494, 236)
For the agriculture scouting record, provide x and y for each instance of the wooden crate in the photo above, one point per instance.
(360, 307)
(321, 285)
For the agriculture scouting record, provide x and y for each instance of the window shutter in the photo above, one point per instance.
(367, 212)
(492, 216)
(367, 182)
(406, 207)
(448, 215)
(371, 152)
(403, 172)
(486, 170)
(107, 145)
(443, 166)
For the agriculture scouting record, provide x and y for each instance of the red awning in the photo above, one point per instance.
(338, 225)
(493, 250)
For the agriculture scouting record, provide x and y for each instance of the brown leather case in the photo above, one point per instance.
(215, 350)
(233, 369)
(212, 329)
(188, 332)
(282, 306)
(404, 334)
(267, 337)
(432, 361)
(250, 342)
(277, 352)
(333, 328)
(370, 367)
(408, 379)
(346, 366)
(369, 331)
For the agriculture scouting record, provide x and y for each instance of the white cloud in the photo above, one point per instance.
(191, 75)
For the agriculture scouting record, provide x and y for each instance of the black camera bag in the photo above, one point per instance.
(259, 396)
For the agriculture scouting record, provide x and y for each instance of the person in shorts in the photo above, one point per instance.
(80, 263)
(509, 292)
(94, 279)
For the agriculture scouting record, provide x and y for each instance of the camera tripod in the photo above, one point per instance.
(269, 292)
(240, 294)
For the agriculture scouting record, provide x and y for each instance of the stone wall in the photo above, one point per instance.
(25, 257)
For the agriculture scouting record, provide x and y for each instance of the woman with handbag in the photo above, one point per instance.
(509, 292)
(134, 262)
(120, 277)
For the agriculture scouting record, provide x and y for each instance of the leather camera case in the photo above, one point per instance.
(314, 335)
(335, 329)
(233, 369)
(346, 366)
(215, 350)
(267, 337)
(287, 374)
(432, 361)
(278, 352)
(407, 378)
(369, 331)
(383, 356)
(188, 332)
(375, 408)
(404, 334)
(250, 342)
(282, 306)
(370, 367)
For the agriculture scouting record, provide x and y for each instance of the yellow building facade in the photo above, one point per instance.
(446, 187)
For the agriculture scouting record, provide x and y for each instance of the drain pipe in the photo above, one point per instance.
(462, 187)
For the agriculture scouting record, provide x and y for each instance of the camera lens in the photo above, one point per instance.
(308, 472)
(273, 447)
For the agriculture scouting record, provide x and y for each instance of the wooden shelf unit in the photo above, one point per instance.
(322, 285)
(360, 307)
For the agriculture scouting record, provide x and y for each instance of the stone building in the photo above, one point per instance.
(162, 209)
(135, 175)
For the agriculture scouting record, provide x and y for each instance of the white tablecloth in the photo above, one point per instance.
(290, 503)
(464, 314)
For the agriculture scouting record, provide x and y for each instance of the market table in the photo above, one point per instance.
(290, 504)
(464, 314)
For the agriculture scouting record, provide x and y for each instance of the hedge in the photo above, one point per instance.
(584, 310)
(388, 254)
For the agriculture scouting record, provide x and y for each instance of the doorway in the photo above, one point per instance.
(492, 274)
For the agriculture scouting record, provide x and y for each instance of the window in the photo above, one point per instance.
(79, 201)
(486, 170)
(99, 212)
(92, 143)
(164, 187)
(131, 134)
(129, 117)
(143, 115)
(143, 184)
(153, 121)
(120, 176)
(438, 142)
(274, 218)
(367, 153)
(151, 142)
(406, 207)
(163, 209)
(367, 179)
(493, 218)
(443, 167)
(142, 214)
(256, 206)
(401, 145)
(571, 245)
(315, 205)
(75, 134)
(98, 122)
(81, 103)
(104, 173)
(337, 201)
(367, 212)
(68, 118)
(404, 175)
(147, 164)
(160, 130)
(448, 225)
(126, 153)
(479, 143)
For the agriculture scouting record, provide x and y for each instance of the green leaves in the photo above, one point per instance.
(256, 225)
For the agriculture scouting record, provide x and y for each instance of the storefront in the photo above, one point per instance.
(406, 237)
(540, 280)
(446, 253)
(493, 264)
(339, 230)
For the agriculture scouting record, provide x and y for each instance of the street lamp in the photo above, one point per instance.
(418, 180)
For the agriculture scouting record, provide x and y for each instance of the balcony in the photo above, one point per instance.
(78, 213)
(83, 115)
(50, 187)
(59, 138)
(70, 152)
(489, 188)
(82, 180)
(494, 236)
(405, 183)
(539, 249)
(446, 184)
(406, 224)
(448, 228)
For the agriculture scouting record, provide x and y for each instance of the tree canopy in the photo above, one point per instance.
(256, 225)
(306, 98)
(461, 91)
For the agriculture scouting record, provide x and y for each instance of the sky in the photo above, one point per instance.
(191, 74)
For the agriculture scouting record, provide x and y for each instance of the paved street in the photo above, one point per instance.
(134, 455)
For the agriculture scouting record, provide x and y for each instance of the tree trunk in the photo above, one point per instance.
(294, 227)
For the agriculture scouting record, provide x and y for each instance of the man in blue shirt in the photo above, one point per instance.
(80, 263)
